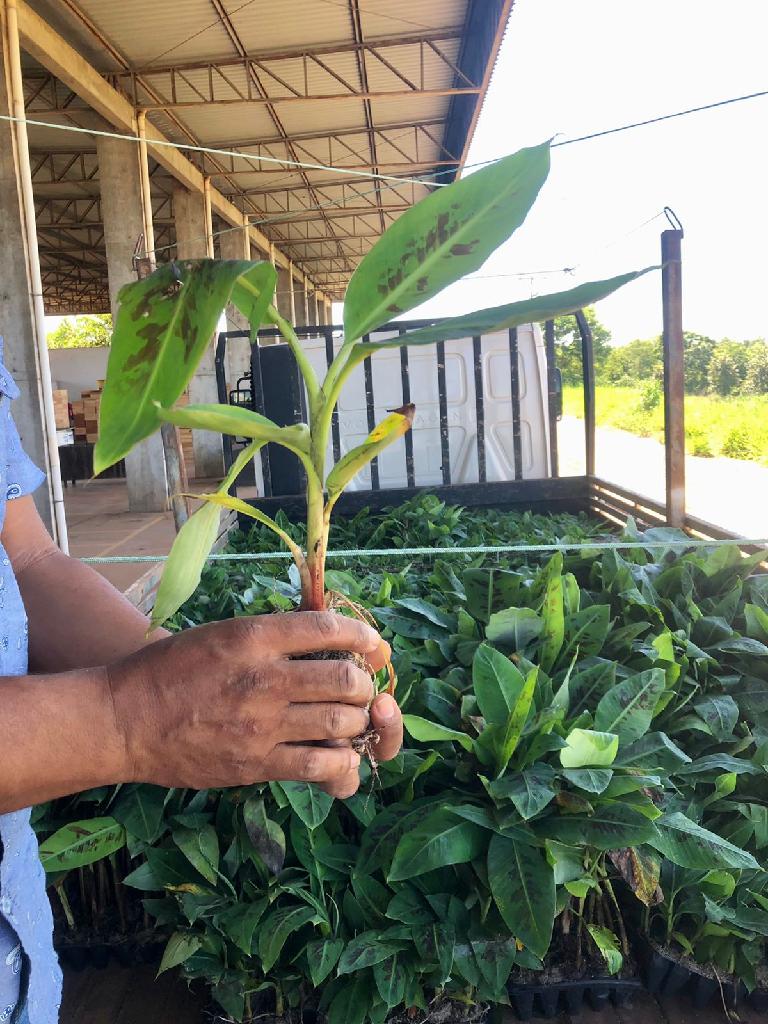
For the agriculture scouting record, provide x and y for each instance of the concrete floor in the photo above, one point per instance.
(100, 524)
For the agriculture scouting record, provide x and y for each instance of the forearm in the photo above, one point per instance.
(58, 735)
(77, 619)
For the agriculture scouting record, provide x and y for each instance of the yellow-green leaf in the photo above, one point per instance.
(239, 422)
(383, 434)
(184, 566)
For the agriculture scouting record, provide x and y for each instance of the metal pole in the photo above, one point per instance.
(588, 372)
(24, 170)
(549, 345)
(674, 375)
(208, 218)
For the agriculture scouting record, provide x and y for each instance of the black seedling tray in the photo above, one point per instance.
(666, 976)
(529, 1001)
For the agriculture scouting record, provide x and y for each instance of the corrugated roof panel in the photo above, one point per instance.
(147, 32)
(394, 16)
(264, 24)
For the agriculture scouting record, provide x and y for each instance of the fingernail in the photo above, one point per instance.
(386, 708)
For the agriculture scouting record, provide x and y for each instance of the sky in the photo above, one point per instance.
(569, 68)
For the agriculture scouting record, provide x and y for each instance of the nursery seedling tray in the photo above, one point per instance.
(549, 1000)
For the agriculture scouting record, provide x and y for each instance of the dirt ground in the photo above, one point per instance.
(727, 492)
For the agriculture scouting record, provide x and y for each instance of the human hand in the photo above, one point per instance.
(225, 704)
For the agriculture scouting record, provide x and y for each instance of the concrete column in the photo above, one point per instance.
(16, 318)
(121, 209)
(316, 308)
(300, 302)
(284, 293)
(189, 214)
(235, 245)
(328, 311)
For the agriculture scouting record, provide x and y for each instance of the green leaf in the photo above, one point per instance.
(389, 976)
(530, 791)
(239, 422)
(239, 923)
(445, 236)
(497, 684)
(655, 750)
(380, 839)
(365, 950)
(608, 945)
(184, 567)
(432, 732)
(139, 808)
(322, 957)
(518, 717)
(309, 802)
(553, 633)
(439, 840)
(491, 590)
(584, 747)
(80, 843)
(514, 629)
(720, 712)
(181, 946)
(409, 907)
(276, 929)
(627, 708)
(611, 827)
(486, 321)
(266, 835)
(435, 944)
(522, 884)
(390, 429)
(593, 780)
(352, 1003)
(495, 958)
(685, 843)
(163, 326)
(201, 848)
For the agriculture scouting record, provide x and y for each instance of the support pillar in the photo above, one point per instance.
(236, 245)
(300, 303)
(328, 311)
(284, 292)
(316, 308)
(17, 325)
(191, 215)
(121, 208)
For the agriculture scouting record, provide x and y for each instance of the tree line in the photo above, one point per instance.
(724, 367)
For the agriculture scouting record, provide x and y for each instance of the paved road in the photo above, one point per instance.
(728, 492)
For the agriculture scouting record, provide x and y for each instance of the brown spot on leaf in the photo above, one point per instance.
(464, 248)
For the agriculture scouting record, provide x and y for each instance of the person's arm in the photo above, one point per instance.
(170, 711)
(77, 619)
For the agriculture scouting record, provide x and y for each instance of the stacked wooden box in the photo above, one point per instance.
(85, 414)
(61, 408)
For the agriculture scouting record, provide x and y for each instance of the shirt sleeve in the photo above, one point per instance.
(22, 475)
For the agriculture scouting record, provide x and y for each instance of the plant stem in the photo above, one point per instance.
(618, 915)
(579, 935)
(61, 893)
(313, 599)
(307, 372)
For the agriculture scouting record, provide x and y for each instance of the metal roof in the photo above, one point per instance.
(381, 86)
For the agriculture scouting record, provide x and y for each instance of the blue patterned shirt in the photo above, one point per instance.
(28, 964)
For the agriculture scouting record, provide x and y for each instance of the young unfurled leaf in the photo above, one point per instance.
(383, 434)
(585, 747)
(163, 326)
(442, 238)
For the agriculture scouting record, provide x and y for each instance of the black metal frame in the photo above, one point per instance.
(571, 491)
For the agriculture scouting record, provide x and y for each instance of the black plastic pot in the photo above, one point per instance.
(758, 1000)
(529, 1001)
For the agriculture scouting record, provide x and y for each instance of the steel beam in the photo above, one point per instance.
(387, 94)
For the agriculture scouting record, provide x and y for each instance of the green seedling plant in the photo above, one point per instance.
(165, 322)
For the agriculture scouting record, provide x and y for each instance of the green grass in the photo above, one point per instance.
(736, 427)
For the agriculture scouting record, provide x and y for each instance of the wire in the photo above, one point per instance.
(213, 151)
(199, 32)
(596, 545)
